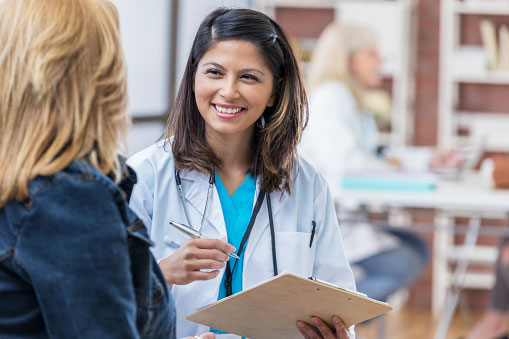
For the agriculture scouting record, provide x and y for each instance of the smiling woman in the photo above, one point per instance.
(235, 127)
(268, 61)
(233, 87)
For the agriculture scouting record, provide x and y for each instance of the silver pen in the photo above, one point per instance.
(190, 232)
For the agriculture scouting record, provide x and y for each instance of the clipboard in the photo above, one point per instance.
(271, 309)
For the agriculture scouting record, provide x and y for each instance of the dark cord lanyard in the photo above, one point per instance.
(228, 271)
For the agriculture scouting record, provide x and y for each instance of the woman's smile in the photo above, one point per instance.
(227, 111)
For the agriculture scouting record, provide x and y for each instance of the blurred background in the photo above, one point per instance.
(444, 86)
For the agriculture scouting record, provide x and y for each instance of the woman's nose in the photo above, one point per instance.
(229, 89)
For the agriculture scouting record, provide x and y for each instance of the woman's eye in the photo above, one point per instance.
(250, 77)
(213, 71)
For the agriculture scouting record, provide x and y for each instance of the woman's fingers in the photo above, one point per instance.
(307, 331)
(324, 329)
(186, 264)
(341, 330)
(207, 249)
(212, 254)
(213, 244)
(205, 264)
(208, 335)
(199, 275)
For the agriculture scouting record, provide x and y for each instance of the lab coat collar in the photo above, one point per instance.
(196, 195)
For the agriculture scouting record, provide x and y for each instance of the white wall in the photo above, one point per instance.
(142, 135)
(145, 29)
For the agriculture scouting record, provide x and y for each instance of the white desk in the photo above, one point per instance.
(469, 195)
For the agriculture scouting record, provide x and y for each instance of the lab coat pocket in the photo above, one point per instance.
(294, 254)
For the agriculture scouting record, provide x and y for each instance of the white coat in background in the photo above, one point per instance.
(340, 138)
(156, 201)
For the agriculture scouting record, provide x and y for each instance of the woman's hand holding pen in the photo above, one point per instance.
(322, 331)
(208, 335)
(186, 264)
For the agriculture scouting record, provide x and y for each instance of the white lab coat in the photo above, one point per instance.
(341, 138)
(156, 200)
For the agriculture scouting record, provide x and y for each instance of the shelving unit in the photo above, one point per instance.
(399, 14)
(480, 7)
(486, 129)
(492, 78)
(450, 78)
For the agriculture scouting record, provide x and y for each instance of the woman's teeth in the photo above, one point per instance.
(228, 110)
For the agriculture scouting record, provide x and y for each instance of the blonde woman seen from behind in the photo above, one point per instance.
(74, 259)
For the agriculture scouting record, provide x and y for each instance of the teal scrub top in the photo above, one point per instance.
(237, 211)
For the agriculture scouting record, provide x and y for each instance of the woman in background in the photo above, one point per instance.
(229, 154)
(342, 136)
(74, 259)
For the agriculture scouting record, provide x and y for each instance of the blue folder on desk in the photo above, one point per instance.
(389, 180)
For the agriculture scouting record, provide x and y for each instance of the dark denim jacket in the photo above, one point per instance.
(75, 263)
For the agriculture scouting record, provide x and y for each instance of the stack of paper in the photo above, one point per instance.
(390, 180)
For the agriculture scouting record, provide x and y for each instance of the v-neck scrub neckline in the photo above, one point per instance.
(237, 211)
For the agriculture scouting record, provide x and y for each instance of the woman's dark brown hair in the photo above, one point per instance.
(278, 131)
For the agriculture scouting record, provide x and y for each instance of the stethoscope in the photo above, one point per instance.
(256, 209)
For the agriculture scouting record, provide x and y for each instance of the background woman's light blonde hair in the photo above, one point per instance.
(62, 89)
(331, 57)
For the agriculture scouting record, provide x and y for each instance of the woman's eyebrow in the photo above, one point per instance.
(215, 64)
(253, 70)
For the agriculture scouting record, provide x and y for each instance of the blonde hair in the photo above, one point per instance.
(331, 57)
(62, 89)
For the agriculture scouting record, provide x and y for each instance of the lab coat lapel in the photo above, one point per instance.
(195, 195)
(277, 200)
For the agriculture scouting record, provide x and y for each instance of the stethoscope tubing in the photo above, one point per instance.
(181, 194)
(209, 194)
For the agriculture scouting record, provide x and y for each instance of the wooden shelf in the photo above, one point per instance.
(488, 130)
(490, 78)
(481, 7)
(478, 281)
(478, 255)
(471, 117)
